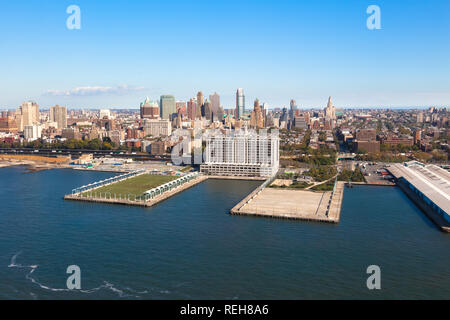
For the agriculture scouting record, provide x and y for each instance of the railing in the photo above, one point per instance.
(151, 194)
(98, 184)
(332, 195)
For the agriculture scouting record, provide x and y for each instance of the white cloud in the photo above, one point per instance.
(93, 91)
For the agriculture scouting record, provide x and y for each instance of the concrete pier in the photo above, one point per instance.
(293, 204)
(140, 203)
(428, 186)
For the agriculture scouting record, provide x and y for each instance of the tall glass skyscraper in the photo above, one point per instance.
(167, 106)
(240, 103)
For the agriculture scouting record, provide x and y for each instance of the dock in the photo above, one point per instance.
(138, 202)
(428, 186)
(293, 204)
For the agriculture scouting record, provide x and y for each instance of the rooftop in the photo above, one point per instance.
(431, 180)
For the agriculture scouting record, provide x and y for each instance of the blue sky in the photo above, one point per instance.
(275, 50)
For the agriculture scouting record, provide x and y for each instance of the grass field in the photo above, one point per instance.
(137, 185)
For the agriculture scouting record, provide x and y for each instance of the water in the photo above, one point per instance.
(190, 248)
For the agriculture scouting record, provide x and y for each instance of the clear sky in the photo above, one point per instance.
(276, 50)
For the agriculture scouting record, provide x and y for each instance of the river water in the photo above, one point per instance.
(189, 247)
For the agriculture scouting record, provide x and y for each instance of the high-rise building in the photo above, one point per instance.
(420, 117)
(180, 107)
(167, 106)
(256, 119)
(240, 103)
(206, 112)
(27, 115)
(330, 110)
(191, 106)
(241, 154)
(149, 109)
(293, 109)
(58, 114)
(198, 110)
(215, 106)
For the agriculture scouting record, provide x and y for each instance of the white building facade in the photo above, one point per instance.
(242, 153)
(157, 128)
(32, 132)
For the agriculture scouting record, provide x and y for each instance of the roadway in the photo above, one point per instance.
(77, 153)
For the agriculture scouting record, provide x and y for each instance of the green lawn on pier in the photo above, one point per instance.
(134, 186)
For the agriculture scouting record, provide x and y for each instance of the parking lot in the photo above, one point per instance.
(373, 172)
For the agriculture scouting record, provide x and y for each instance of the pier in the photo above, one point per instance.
(293, 204)
(263, 201)
(148, 200)
(428, 186)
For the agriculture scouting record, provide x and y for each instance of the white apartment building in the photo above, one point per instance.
(245, 154)
(156, 128)
(32, 132)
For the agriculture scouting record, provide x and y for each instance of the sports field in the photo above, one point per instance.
(137, 185)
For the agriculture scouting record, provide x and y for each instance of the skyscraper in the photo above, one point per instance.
(207, 112)
(167, 106)
(27, 114)
(198, 110)
(191, 106)
(59, 115)
(330, 111)
(215, 106)
(293, 105)
(149, 109)
(240, 103)
(257, 120)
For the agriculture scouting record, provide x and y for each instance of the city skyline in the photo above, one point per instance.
(294, 50)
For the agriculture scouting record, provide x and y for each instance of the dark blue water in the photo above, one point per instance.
(190, 248)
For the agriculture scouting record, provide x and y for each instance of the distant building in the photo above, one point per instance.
(206, 110)
(105, 114)
(256, 117)
(70, 133)
(157, 128)
(330, 112)
(149, 109)
(32, 132)
(27, 115)
(293, 108)
(241, 154)
(167, 107)
(366, 135)
(393, 141)
(180, 107)
(216, 111)
(191, 107)
(300, 123)
(8, 125)
(366, 141)
(58, 114)
(159, 148)
(240, 103)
